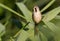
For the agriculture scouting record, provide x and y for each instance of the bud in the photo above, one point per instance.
(36, 15)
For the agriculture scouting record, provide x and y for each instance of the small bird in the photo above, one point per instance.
(36, 15)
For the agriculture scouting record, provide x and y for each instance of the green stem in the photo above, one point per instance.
(17, 33)
(37, 38)
(6, 23)
(5, 7)
(48, 5)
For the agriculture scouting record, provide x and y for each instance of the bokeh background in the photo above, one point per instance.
(16, 22)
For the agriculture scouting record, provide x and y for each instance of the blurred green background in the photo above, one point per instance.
(16, 22)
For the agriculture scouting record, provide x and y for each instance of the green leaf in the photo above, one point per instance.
(22, 36)
(1, 11)
(43, 37)
(28, 16)
(56, 21)
(25, 11)
(7, 17)
(52, 26)
(0, 39)
(2, 29)
(46, 33)
(12, 39)
(52, 14)
(5, 7)
(37, 38)
(57, 17)
(48, 5)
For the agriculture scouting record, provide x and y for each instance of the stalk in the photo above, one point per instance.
(36, 18)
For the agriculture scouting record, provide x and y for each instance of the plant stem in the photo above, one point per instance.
(48, 5)
(5, 7)
(37, 38)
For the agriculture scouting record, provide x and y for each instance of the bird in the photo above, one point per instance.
(36, 16)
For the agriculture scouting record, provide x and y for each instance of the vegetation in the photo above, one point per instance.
(16, 22)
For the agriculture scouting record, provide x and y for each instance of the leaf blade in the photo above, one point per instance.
(52, 14)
